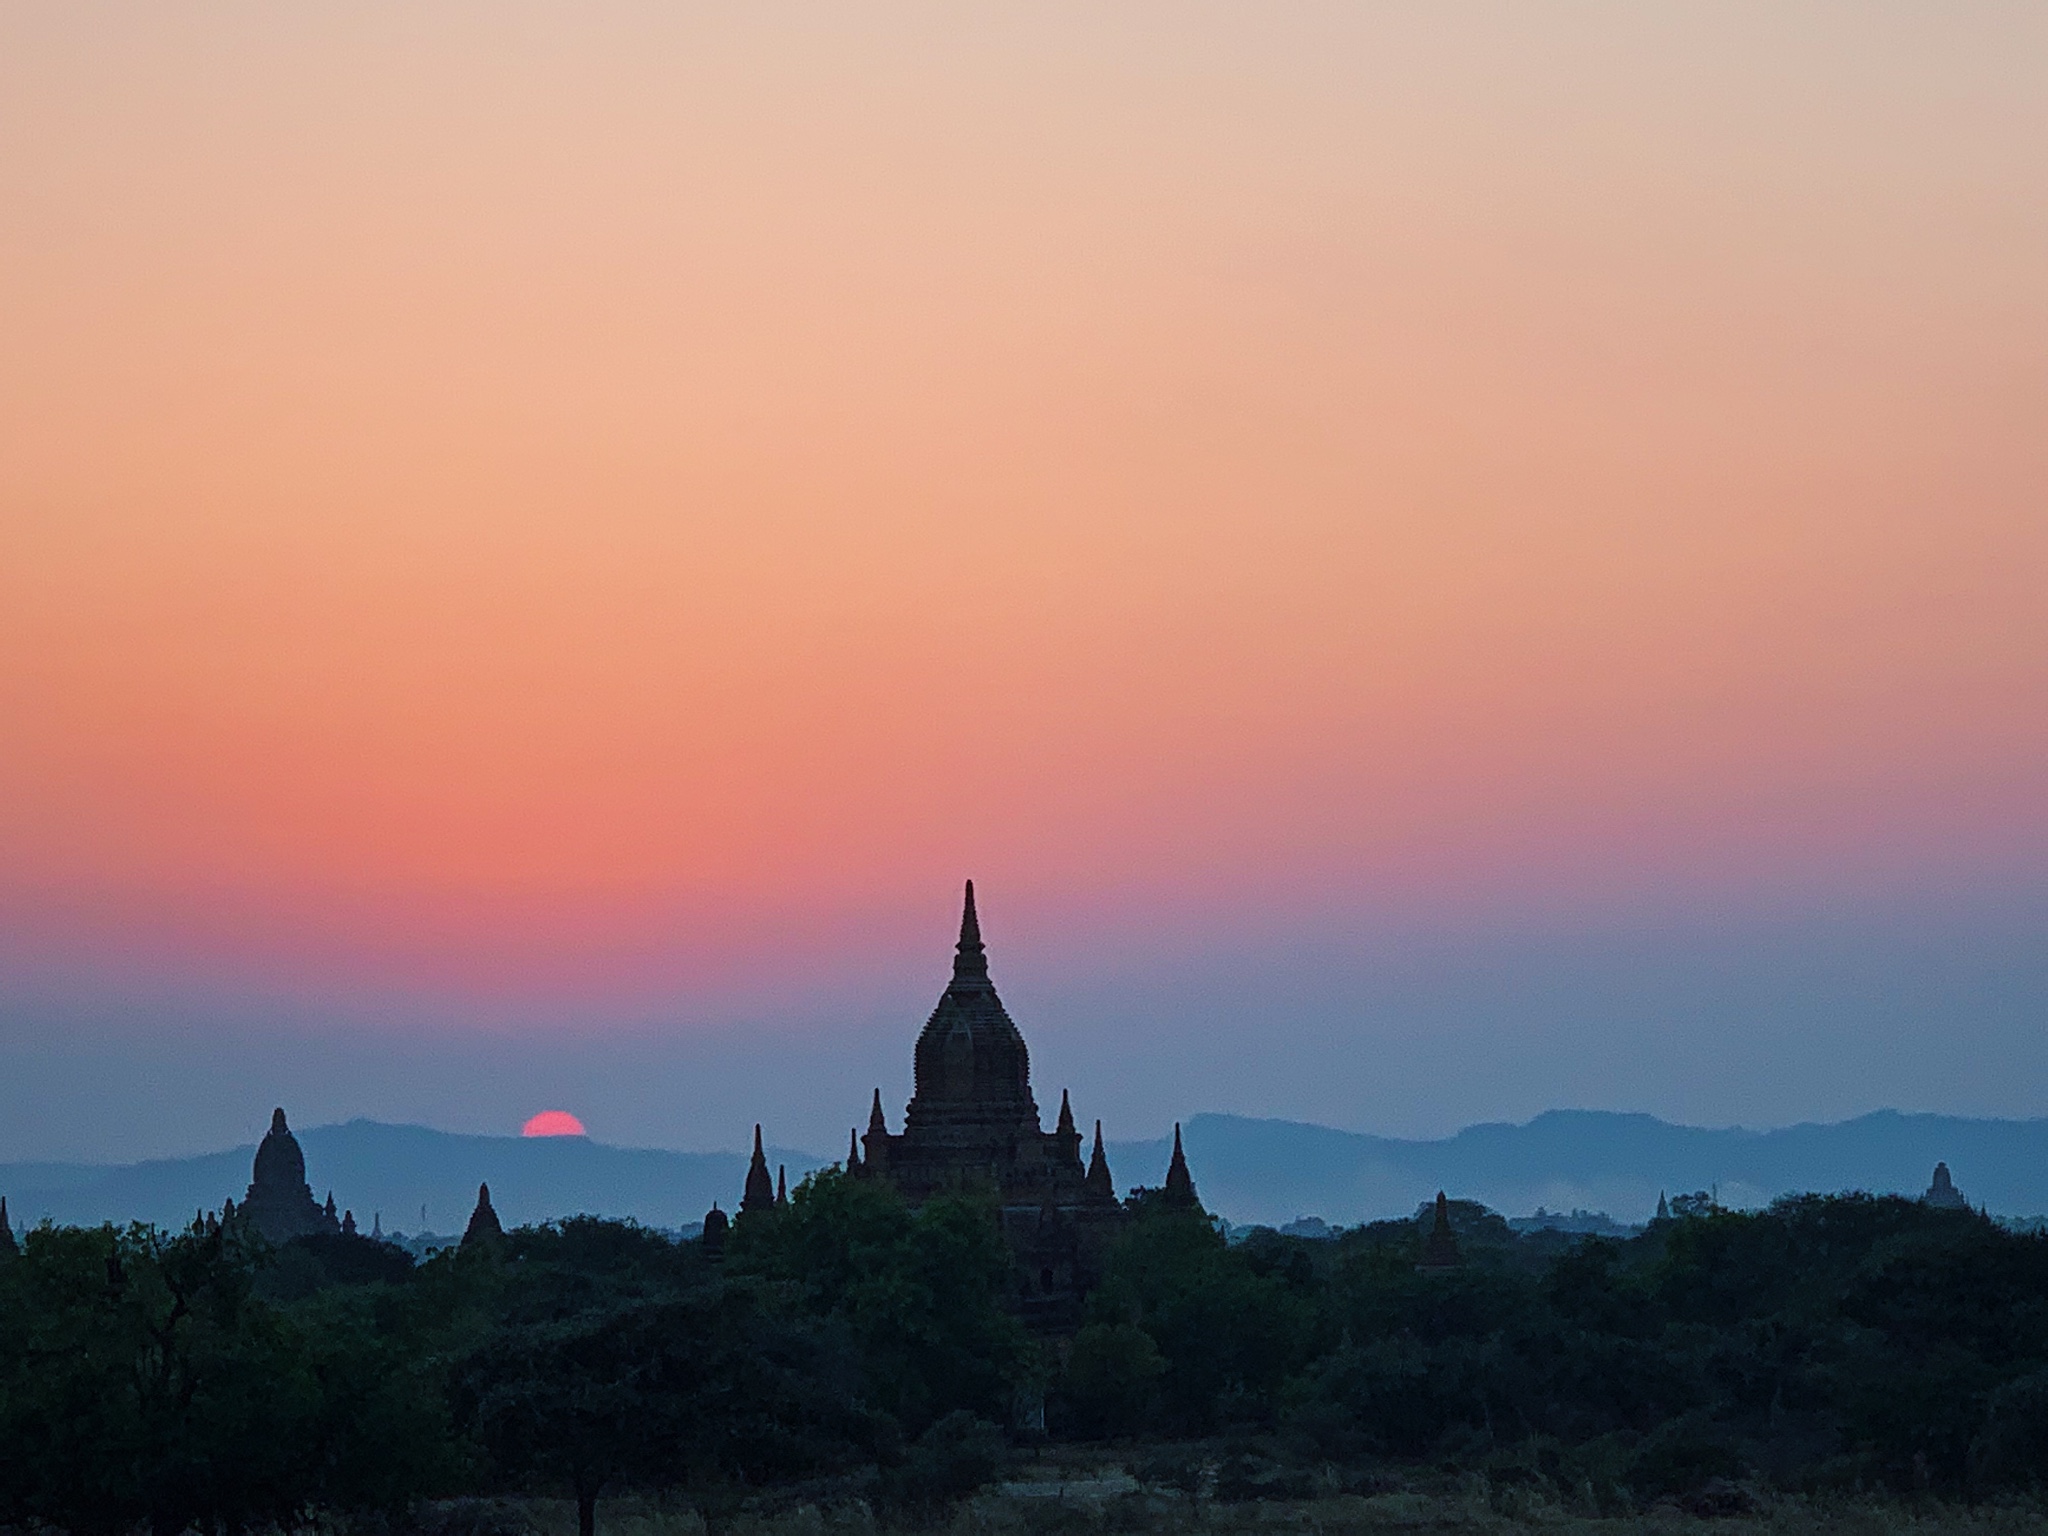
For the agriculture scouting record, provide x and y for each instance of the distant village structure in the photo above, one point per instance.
(972, 1120)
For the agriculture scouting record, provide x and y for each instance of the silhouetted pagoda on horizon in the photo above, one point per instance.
(1440, 1246)
(484, 1231)
(972, 1122)
(280, 1202)
(1942, 1194)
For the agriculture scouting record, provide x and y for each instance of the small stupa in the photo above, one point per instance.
(484, 1229)
(716, 1225)
(1440, 1247)
(1180, 1184)
(1942, 1194)
(760, 1190)
(1098, 1183)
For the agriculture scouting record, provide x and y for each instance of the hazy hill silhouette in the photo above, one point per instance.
(1274, 1170)
(1248, 1170)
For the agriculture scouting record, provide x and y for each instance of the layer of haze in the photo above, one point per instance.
(1434, 562)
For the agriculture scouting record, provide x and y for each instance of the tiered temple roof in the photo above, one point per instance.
(972, 1123)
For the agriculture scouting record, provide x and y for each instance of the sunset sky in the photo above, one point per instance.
(1431, 562)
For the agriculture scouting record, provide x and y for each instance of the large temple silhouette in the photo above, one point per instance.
(972, 1122)
(280, 1202)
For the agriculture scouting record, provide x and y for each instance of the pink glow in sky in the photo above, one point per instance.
(637, 501)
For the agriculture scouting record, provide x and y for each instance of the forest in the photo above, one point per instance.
(201, 1379)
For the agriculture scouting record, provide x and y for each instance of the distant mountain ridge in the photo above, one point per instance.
(1276, 1170)
(1248, 1170)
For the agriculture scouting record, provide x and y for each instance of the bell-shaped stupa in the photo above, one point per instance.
(280, 1203)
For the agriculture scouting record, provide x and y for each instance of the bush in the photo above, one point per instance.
(952, 1459)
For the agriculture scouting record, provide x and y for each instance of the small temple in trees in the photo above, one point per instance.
(972, 1121)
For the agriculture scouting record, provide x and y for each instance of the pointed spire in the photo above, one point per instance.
(8, 1247)
(377, 1225)
(484, 1229)
(877, 1142)
(1180, 1184)
(277, 1125)
(970, 962)
(1663, 1207)
(1099, 1182)
(781, 1186)
(852, 1150)
(760, 1190)
(348, 1223)
(1440, 1248)
(1066, 1125)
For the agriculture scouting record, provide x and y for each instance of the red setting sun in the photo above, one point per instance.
(553, 1122)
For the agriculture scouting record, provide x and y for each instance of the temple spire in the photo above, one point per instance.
(970, 962)
(1066, 1125)
(1180, 1184)
(484, 1229)
(852, 1151)
(1099, 1182)
(781, 1185)
(760, 1191)
(1440, 1247)
(7, 1244)
(878, 1124)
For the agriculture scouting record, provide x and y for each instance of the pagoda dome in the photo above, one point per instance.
(279, 1162)
(971, 1063)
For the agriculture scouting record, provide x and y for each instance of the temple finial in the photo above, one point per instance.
(1066, 1125)
(878, 1124)
(852, 1150)
(970, 963)
(277, 1125)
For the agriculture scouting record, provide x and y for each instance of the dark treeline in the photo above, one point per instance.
(204, 1380)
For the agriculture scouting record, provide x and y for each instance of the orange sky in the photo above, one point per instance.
(483, 487)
